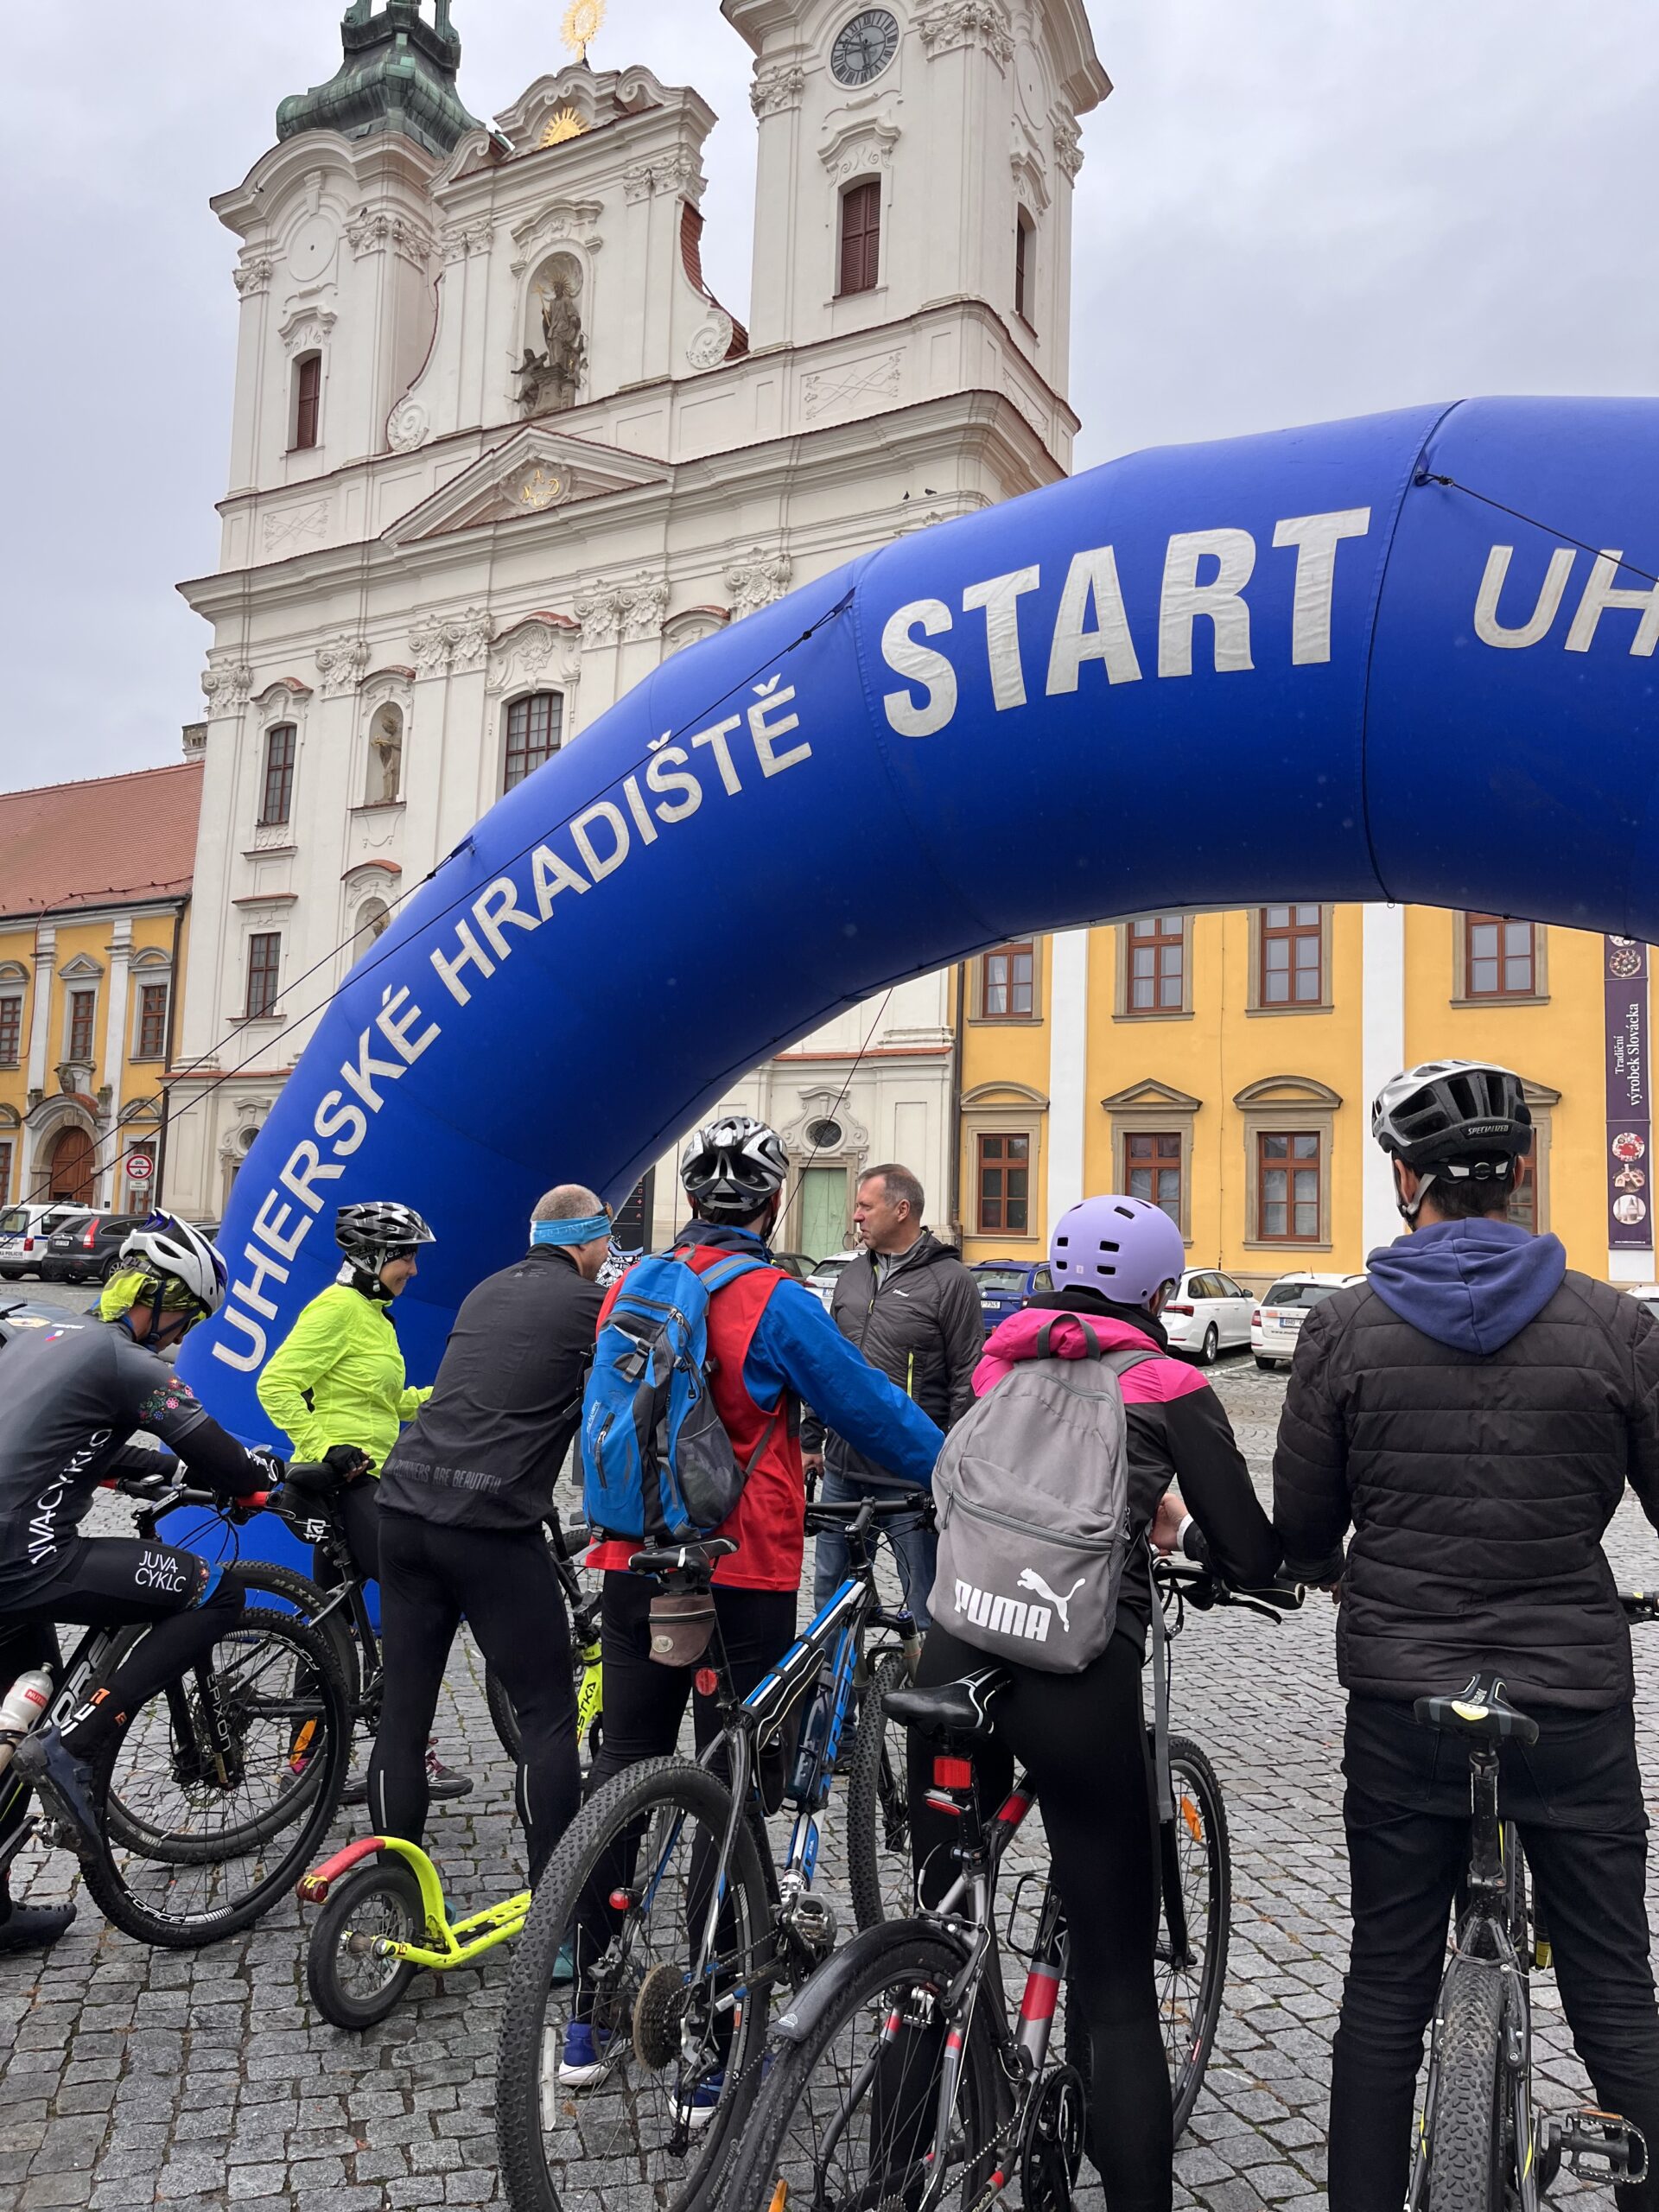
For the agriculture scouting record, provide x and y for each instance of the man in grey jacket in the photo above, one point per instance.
(913, 1309)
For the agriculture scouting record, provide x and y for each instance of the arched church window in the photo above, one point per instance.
(861, 238)
(307, 402)
(555, 348)
(534, 731)
(386, 776)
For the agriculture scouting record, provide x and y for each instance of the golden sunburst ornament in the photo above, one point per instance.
(581, 23)
(562, 125)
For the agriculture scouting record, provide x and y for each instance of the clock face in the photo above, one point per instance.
(864, 46)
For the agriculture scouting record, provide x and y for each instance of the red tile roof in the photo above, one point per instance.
(115, 840)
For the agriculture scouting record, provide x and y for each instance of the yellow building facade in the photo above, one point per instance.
(1223, 1065)
(94, 900)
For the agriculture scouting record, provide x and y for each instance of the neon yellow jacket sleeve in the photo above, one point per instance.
(338, 1378)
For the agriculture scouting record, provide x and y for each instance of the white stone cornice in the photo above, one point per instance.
(306, 326)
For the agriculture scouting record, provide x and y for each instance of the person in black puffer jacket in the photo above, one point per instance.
(1475, 1410)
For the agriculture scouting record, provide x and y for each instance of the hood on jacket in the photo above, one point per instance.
(1472, 1285)
(1015, 1339)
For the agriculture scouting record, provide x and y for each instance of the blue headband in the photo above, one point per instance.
(587, 1231)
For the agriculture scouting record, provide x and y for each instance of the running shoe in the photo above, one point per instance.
(584, 2053)
(442, 1781)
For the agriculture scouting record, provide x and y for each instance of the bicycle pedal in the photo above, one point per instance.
(1592, 2144)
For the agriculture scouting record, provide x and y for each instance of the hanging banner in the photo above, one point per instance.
(1630, 1125)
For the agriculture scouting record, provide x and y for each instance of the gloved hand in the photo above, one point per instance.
(346, 1461)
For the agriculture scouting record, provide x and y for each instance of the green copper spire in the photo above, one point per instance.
(399, 73)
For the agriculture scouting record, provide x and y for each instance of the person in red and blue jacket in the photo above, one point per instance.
(772, 1345)
(1083, 1736)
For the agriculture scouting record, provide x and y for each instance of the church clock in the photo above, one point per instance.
(864, 45)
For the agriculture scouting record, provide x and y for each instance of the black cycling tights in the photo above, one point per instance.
(1084, 1738)
(502, 1582)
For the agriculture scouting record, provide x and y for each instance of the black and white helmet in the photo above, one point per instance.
(1463, 1119)
(188, 1268)
(733, 1165)
(376, 1231)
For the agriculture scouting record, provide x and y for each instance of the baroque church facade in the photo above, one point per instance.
(497, 451)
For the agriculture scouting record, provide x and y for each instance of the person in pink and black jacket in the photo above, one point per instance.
(1083, 1735)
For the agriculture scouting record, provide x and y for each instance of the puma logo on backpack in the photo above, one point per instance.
(1032, 1494)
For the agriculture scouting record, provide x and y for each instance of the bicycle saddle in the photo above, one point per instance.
(1480, 1710)
(681, 1559)
(953, 1710)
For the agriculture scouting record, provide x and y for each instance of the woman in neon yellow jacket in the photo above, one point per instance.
(338, 1377)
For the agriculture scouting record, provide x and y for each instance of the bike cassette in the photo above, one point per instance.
(1596, 2146)
(659, 2011)
(1051, 2140)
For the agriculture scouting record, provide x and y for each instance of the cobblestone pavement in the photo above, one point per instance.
(133, 2078)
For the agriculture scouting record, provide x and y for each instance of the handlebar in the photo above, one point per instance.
(1202, 1588)
(858, 1516)
(1640, 1604)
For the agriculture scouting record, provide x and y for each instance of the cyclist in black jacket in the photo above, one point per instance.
(1475, 1410)
(463, 1495)
(74, 1397)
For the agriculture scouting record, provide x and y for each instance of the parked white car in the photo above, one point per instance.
(23, 1234)
(823, 1278)
(1209, 1314)
(1277, 1321)
(1645, 1293)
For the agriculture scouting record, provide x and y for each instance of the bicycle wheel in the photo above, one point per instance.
(1190, 1990)
(849, 2117)
(208, 1763)
(877, 1806)
(283, 1591)
(348, 1983)
(502, 1719)
(1466, 2162)
(667, 2067)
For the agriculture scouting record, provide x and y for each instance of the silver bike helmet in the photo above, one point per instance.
(731, 1166)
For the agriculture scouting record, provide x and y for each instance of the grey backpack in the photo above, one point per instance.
(1032, 1495)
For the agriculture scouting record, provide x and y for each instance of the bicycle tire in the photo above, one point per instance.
(1189, 2003)
(129, 1898)
(385, 1894)
(293, 1593)
(504, 1720)
(906, 1955)
(1465, 2129)
(878, 1805)
(679, 1791)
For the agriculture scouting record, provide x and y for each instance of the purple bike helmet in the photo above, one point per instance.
(1123, 1248)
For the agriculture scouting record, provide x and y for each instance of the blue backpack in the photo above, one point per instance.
(657, 1463)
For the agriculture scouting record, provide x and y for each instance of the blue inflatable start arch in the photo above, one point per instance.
(1302, 665)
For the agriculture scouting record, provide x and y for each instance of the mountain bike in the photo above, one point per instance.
(899, 2076)
(339, 1608)
(214, 1791)
(1480, 2144)
(683, 1925)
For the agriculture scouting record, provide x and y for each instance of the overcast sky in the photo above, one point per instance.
(1290, 209)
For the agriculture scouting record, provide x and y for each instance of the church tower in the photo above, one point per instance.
(498, 452)
(914, 156)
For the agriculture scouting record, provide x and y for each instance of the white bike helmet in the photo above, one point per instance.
(731, 1166)
(181, 1259)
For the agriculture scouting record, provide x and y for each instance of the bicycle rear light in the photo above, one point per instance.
(952, 1773)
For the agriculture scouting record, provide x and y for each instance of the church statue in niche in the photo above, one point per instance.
(551, 379)
(386, 758)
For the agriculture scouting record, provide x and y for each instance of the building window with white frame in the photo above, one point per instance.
(264, 964)
(305, 420)
(535, 732)
(82, 1023)
(277, 790)
(860, 267)
(149, 1033)
(12, 1029)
